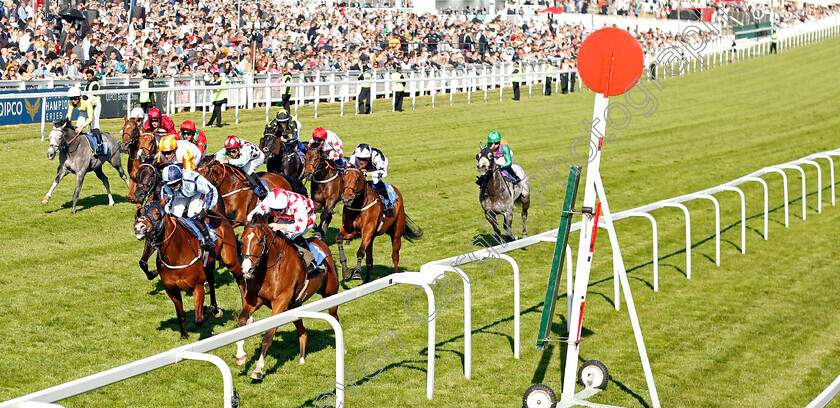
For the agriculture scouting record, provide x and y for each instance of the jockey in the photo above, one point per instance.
(86, 114)
(290, 129)
(186, 190)
(189, 133)
(502, 154)
(171, 151)
(374, 164)
(295, 215)
(159, 124)
(247, 157)
(329, 143)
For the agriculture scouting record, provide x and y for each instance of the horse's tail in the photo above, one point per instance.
(413, 231)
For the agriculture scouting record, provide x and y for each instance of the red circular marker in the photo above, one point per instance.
(610, 61)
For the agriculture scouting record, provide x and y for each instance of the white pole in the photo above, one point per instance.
(43, 116)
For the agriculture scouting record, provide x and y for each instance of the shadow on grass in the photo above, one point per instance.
(88, 202)
(204, 331)
(286, 348)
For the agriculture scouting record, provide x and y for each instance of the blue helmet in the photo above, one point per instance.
(172, 174)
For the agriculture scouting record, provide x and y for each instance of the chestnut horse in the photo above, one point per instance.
(180, 259)
(276, 277)
(325, 188)
(364, 215)
(238, 198)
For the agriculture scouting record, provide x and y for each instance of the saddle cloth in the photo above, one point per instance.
(193, 230)
(318, 254)
(104, 149)
(391, 196)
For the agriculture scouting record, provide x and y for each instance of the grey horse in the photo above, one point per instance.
(498, 194)
(76, 156)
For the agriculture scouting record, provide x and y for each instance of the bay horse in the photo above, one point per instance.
(281, 157)
(180, 259)
(364, 215)
(142, 151)
(237, 198)
(130, 137)
(276, 277)
(325, 187)
(76, 156)
(498, 194)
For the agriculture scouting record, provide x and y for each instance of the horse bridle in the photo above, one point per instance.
(151, 185)
(64, 144)
(322, 165)
(355, 193)
(133, 138)
(157, 225)
(265, 245)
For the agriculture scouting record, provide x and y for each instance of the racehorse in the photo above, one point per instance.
(238, 198)
(76, 156)
(364, 215)
(276, 277)
(130, 137)
(325, 188)
(146, 184)
(281, 157)
(142, 150)
(498, 194)
(183, 265)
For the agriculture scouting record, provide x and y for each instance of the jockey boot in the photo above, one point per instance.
(340, 162)
(306, 256)
(513, 175)
(206, 240)
(255, 181)
(98, 135)
(381, 190)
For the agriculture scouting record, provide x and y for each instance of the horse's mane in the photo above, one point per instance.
(61, 123)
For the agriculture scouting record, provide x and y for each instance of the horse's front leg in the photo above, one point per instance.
(302, 336)
(148, 249)
(508, 221)
(366, 249)
(339, 239)
(249, 305)
(104, 178)
(60, 173)
(80, 178)
(200, 310)
(490, 215)
(175, 294)
(278, 306)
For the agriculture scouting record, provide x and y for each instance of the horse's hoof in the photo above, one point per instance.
(250, 320)
(356, 276)
(346, 274)
(45, 200)
(206, 286)
(256, 376)
(302, 361)
(219, 313)
(184, 337)
(240, 361)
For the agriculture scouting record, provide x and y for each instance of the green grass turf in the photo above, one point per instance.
(761, 330)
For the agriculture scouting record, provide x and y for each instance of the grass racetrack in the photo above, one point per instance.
(761, 330)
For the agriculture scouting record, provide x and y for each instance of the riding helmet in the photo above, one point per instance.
(283, 116)
(362, 151)
(188, 125)
(167, 144)
(494, 137)
(172, 174)
(154, 113)
(319, 133)
(74, 92)
(232, 142)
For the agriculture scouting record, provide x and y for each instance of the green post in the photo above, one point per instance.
(559, 255)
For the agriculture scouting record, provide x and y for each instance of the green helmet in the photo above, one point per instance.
(494, 137)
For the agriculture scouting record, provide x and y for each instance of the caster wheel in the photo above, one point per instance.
(593, 374)
(539, 396)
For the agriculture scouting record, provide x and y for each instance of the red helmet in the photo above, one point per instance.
(319, 133)
(154, 113)
(232, 142)
(188, 125)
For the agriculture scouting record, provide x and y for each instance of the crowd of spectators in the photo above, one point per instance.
(197, 37)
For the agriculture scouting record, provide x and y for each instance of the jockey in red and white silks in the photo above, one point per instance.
(294, 212)
(329, 143)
